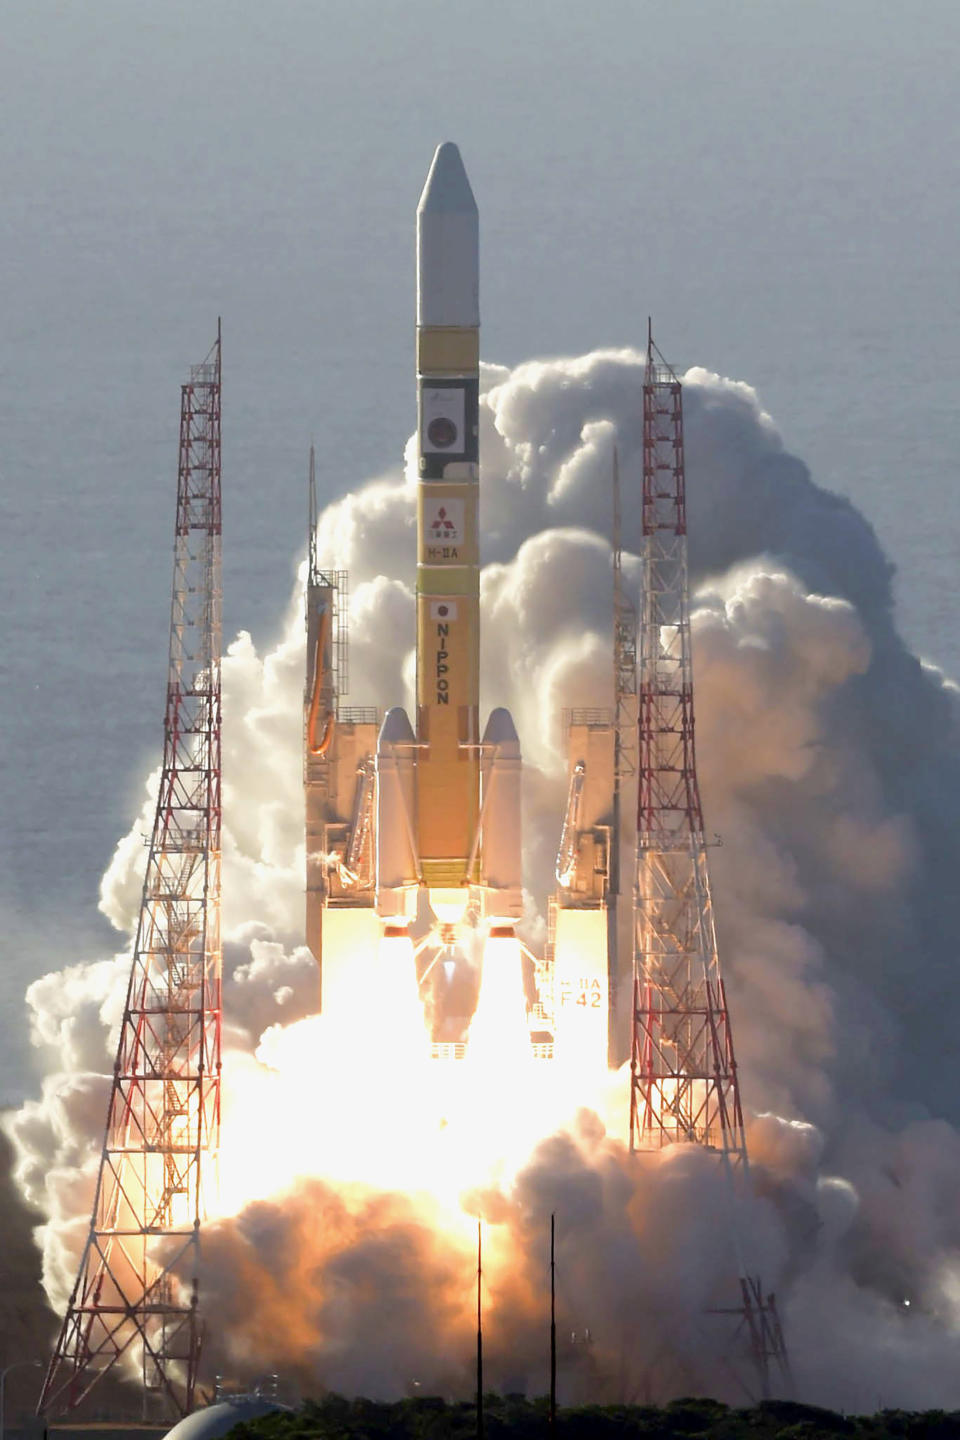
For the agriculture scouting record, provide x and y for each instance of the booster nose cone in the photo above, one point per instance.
(447, 245)
(396, 728)
(500, 728)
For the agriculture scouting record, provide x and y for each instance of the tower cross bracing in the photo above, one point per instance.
(684, 1087)
(684, 1079)
(134, 1306)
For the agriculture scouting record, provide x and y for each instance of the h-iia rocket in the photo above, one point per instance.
(418, 839)
(448, 822)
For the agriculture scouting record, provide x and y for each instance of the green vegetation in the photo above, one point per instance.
(513, 1417)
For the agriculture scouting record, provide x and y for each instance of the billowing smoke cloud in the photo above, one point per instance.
(830, 770)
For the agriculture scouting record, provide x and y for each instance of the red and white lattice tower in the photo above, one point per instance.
(684, 1087)
(134, 1307)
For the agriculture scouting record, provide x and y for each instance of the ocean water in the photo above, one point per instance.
(776, 183)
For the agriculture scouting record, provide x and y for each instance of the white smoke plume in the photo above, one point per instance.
(830, 768)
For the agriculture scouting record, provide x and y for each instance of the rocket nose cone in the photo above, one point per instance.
(447, 189)
(448, 245)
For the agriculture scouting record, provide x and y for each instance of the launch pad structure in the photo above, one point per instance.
(590, 910)
(683, 1074)
(339, 744)
(136, 1293)
(413, 854)
(684, 1088)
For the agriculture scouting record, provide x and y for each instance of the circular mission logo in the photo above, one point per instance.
(442, 432)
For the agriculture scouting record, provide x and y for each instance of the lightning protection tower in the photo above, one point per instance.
(684, 1086)
(134, 1306)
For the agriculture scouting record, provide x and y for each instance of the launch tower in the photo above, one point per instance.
(580, 920)
(619, 916)
(684, 1087)
(339, 781)
(134, 1306)
(588, 927)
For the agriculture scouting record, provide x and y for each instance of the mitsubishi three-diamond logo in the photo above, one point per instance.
(443, 527)
(443, 521)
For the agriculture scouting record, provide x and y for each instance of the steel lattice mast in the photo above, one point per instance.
(684, 1077)
(684, 1087)
(134, 1306)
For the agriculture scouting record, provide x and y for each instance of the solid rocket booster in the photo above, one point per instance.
(448, 576)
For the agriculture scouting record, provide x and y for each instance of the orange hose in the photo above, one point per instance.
(326, 738)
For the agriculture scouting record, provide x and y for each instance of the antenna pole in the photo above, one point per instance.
(553, 1325)
(312, 519)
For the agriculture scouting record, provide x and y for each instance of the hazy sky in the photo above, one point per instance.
(776, 181)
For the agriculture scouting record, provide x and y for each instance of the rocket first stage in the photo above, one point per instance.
(448, 565)
(448, 803)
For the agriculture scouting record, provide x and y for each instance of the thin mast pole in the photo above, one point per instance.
(553, 1326)
(479, 1332)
